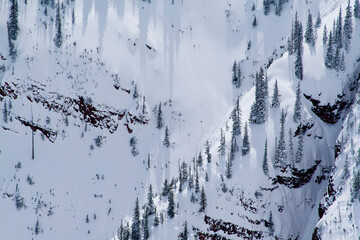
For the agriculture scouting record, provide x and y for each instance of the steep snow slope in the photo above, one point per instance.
(178, 53)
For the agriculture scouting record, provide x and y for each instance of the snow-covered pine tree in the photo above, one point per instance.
(258, 109)
(159, 118)
(156, 219)
(120, 231)
(357, 9)
(135, 226)
(299, 65)
(318, 21)
(355, 189)
(228, 167)
(342, 64)
(297, 107)
(309, 33)
(325, 37)
(146, 231)
(197, 184)
(236, 117)
(338, 35)
(37, 227)
(203, 201)
(266, 4)
(265, 161)
(281, 147)
(234, 79)
(191, 179)
(348, 28)
(5, 113)
(58, 40)
(185, 233)
(291, 149)
(271, 225)
(337, 58)
(246, 144)
(150, 198)
(171, 204)
(134, 150)
(254, 24)
(275, 98)
(165, 189)
(300, 149)
(13, 25)
(221, 149)
(207, 152)
(279, 7)
(329, 59)
(199, 160)
(166, 141)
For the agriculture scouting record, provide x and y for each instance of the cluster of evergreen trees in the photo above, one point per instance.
(258, 109)
(278, 6)
(13, 28)
(340, 37)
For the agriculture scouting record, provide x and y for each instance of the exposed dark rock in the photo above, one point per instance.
(48, 133)
(302, 128)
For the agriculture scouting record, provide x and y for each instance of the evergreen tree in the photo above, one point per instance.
(135, 227)
(246, 144)
(281, 147)
(297, 108)
(159, 118)
(171, 204)
(199, 160)
(254, 24)
(207, 151)
(342, 64)
(271, 225)
(5, 112)
(309, 33)
(338, 33)
(191, 179)
(300, 150)
(348, 28)
(203, 201)
(355, 190)
(279, 7)
(357, 9)
(222, 143)
(166, 188)
(299, 65)
(236, 117)
(258, 109)
(346, 170)
(134, 150)
(13, 25)
(185, 232)
(291, 39)
(156, 219)
(325, 37)
(265, 161)
(329, 59)
(318, 21)
(151, 205)
(127, 232)
(228, 167)
(58, 37)
(37, 227)
(275, 99)
(166, 141)
(337, 59)
(266, 4)
(146, 232)
(234, 74)
(120, 231)
(197, 185)
(291, 148)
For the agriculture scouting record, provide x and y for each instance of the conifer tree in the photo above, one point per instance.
(37, 227)
(265, 161)
(159, 118)
(348, 28)
(228, 167)
(299, 65)
(200, 160)
(357, 9)
(246, 144)
(279, 7)
(127, 232)
(13, 25)
(291, 148)
(342, 64)
(150, 198)
(234, 74)
(146, 232)
(297, 107)
(120, 231)
(191, 179)
(309, 33)
(171, 204)
(135, 227)
(271, 225)
(222, 143)
(207, 152)
(355, 190)
(203, 201)
(156, 219)
(281, 147)
(337, 59)
(185, 232)
(134, 150)
(318, 21)
(275, 98)
(197, 185)
(258, 109)
(325, 37)
(254, 24)
(58, 36)
(329, 59)
(5, 113)
(166, 141)
(300, 149)
(236, 117)
(165, 189)
(266, 4)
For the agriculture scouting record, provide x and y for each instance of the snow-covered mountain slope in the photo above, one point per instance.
(80, 137)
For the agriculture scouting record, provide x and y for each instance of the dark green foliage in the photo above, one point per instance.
(258, 109)
(348, 28)
(146, 230)
(150, 198)
(275, 98)
(166, 141)
(221, 149)
(13, 25)
(279, 7)
(197, 185)
(299, 71)
(291, 149)
(159, 118)
(318, 21)
(58, 40)
(166, 188)
(171, 204)
(266, 4)
(236, 117)
(325, 37)
(310, 33)
(228, 167)
(300, 150)
(297, 107)
(203, 201)
(265, 161)
(120, 231)
(156, 219)
(199, 160)
(280, 154)
(329, 62)
(254, 24)
(185, 233)
(207, 151)
(246, 144)
(135, 226)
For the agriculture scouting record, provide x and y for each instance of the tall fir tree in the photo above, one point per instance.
(279, 7)
(355, 189)
(159, 118)
(246, 144)
(338, 34)
(299, 65)
(197, 184)
(166, 141)
(300, 149)
(275, 103)
(171, 204)
(318, 21)
(310, 33)
(156, 219)
(281, 147)
(297, 107)
(150, 198)
(135, 227)
(329, 58)
(291, 149)
(58, 40)
(13, 24)
(120, 231)
(228, 167)
(325, 37)
(271, 225)
(207, 152)
(348, 27)
(5, 112)
(222, 146)
(265, 161)
(258, 109)
(236, 117)
(185, 233)
(266, 5)
(203, 201)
